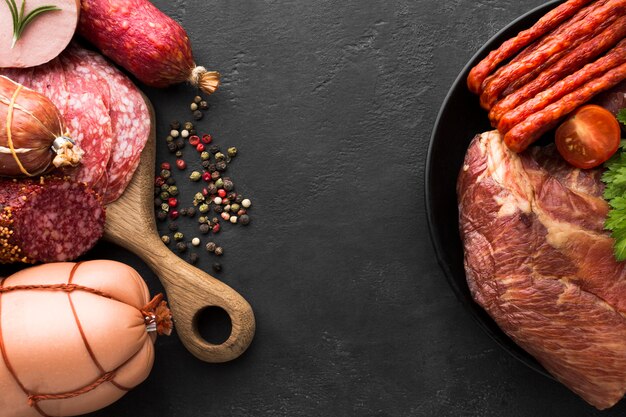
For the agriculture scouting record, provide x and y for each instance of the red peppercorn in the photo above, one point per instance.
(166, 165)
(221, 192)
(181, 164)
(206, 176)
(194, 140)
(205, 192)
(174, 214)
(200, 147)
(207, 138)
(172, 202)
(159, 181)
(216, 228)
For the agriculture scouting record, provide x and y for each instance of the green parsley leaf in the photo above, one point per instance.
(621, 116)
(615, 193)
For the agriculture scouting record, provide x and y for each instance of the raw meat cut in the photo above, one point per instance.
(538, 260)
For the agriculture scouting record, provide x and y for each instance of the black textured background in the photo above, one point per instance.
(331, 105)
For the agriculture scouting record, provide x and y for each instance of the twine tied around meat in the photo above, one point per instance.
(66, 153)
(156, 314)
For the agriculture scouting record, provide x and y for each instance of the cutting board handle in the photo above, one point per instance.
(130, 223)
(190, 291)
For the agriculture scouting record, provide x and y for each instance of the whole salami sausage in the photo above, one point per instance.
(602, 16)
(47, 220)
(571, 62)
(531, 129)
(509, 48)
(567, 85)
(32, 133)
(139, 37)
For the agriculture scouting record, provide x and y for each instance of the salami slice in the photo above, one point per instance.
(87, 114)
(130, 121)
(48, 220)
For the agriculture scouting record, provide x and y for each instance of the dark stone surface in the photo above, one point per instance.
(331, 105)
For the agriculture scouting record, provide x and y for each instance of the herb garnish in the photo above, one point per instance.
(20, 21)
(615, 194)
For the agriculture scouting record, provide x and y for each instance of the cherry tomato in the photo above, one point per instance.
(588, 137)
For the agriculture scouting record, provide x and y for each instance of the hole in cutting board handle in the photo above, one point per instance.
(214, 325)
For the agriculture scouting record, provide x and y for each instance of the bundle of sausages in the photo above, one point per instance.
(533, 80)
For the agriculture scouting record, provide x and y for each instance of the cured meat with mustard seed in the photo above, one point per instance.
(48, 220)
(538, 260)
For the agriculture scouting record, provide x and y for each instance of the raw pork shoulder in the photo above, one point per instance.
(539, 262)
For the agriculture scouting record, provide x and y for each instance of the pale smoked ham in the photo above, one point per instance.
(75, 337)
(43, 39)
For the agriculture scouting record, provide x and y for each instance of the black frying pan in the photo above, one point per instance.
(460, 118)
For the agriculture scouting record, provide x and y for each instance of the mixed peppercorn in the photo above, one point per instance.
(216, 199)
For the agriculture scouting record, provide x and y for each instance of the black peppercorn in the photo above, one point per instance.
(211, 188)
(181, 247)
(197, 115)
(170, 181)
(210, 247)
(228, 185)
(212, 167)
(219, 251)
(217, 267)
(231, 196)
(244, 219)
(175, 125)
(188, 126)
(206, 164)
(158, 202)
(161, 215)
(171, 146)
(193, 258)
(204, 228)
(218, 209)
(173, 227)
(191, 211)
(239, 199)
(183, 212)
(203, 105)
(214, 149)
(180, 144)
(215, 175)
(220, 166)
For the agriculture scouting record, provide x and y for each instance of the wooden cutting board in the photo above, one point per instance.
(131, 224)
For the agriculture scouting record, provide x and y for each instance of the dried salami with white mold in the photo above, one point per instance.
(33, 137)
(48, 219)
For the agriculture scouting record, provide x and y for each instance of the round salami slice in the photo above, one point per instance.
(130, 120)
(48, 220)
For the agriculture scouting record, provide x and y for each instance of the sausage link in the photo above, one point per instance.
(602, 16)
(509, 48)
(555, 34)
(569, 84)
(531, 129)
(571, 62)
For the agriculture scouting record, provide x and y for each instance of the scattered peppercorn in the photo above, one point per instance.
(204, 228)
(217, 267)
(170, 181)
(203, 208)
(238, 199)
(165, 239)
(221, 192)
(195, 241)
(181, 247)
(228, 185)
(246, 203)
(173, 227)
(200, 147)
(161, 216)
(225, 216)
(188, 126)
(194, 140)
(174, 133)
(180, 144)
(207, 138)
(191, 211)
(179, 154)
(244, 219)
(175, 125)
(193, 106)
(166, 165)
(197, 99)
(184, 133)
(241, 212)
(232, 152)
(219, 183)
(218, 209)
(171, 146)
(183, 212)
(219, 251)
(174, 214)
(195, 176)
(173, 190)
(169, 139)
(216, 228)
(234, 207)
(193, 258)
(214, 149)
(220, 166)
(219, 156)
(233, 219)
(178, 236)
(197, 115)
(204, 105)
(165, 207)
(157, 202)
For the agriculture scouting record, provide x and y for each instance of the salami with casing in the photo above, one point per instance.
(75, 337)
(33, 137)
(148, 43)
(48, 220)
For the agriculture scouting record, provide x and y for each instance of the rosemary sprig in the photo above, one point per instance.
(20, 21)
